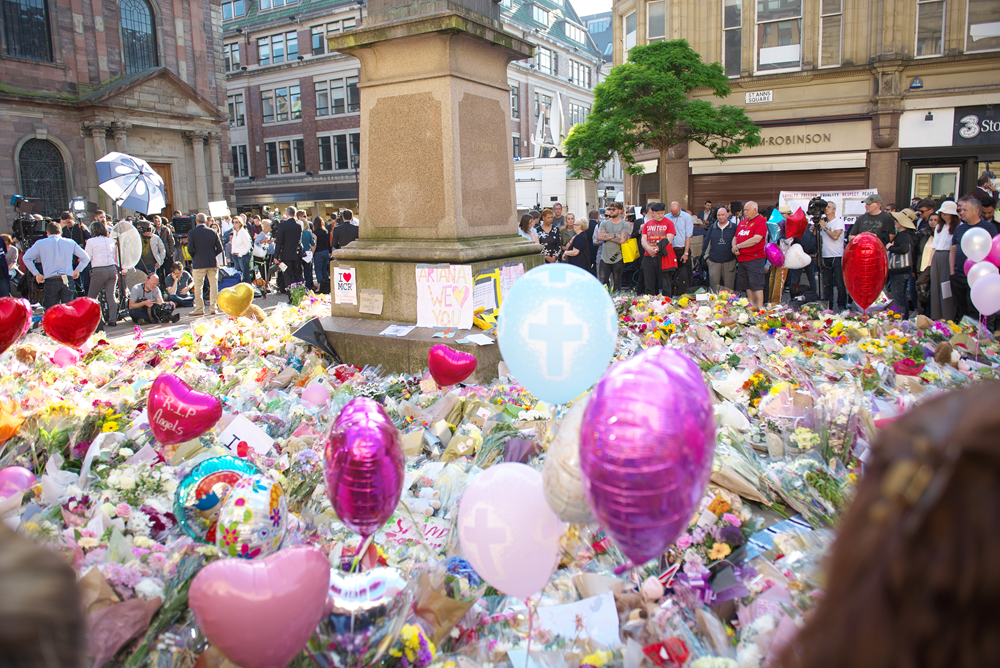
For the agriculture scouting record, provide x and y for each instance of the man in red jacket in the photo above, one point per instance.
(748, 246)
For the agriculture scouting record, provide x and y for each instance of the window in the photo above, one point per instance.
(545, 60)
(656, 21)
(629, 31)
(779, 32)
(320, 33)
(26, 29)
(930, 28)
(232, 9)
(43, 176)
(515, 101)
(274, 4)
(285, 157)
(732, 36)
(237, 112)
(540, 15)
(335, 152)
(579, 74)
(983, 32)
(267, 106)
(832, 13)
(508, 4)
(573, 32)
(331, 99)
(138, 36)
(516, 141)
(232, 53)
(274, 49)
(578, 114)
(241, 166)
(599, 25)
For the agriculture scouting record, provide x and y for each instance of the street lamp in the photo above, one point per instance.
(357, 183)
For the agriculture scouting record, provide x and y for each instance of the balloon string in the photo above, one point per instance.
(531, 622)
(982, 328)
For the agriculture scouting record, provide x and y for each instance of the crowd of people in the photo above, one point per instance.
(175, 268)
(724, 247)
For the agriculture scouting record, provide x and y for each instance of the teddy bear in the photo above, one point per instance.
(426, 502)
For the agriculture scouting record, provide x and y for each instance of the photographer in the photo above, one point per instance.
(146, 305)
(832, 257)
(810, 244)
(153, 250)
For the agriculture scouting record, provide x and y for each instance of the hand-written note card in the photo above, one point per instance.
(371, 302)
(444, 295)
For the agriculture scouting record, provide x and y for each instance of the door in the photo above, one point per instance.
(163, 169)
(935, 182)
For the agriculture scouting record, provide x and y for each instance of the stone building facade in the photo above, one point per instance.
(81, 78)
(849, 94)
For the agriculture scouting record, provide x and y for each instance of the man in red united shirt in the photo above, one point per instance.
(748, 246)
(654, 263)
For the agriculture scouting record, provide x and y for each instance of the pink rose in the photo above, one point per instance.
(732, 519)
(123, 510)
(684, 542)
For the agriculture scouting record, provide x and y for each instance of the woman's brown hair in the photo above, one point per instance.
(41, 613)
(913, 579)
(525, 223)
(942, 217)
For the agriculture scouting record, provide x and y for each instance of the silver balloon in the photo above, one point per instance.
(129, 243)
(561, 474)
(366, 613)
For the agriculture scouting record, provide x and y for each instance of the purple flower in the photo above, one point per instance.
(731, 535)
(698, 535)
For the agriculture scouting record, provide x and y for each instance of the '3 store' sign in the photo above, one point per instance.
(979, 126)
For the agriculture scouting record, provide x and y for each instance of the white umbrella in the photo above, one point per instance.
(131, 182)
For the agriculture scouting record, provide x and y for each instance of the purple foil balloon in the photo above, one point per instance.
(646, 450)
(364, 466)
(15, 479)
(774, 255)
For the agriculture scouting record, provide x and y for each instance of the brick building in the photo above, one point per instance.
(294, 106)
(79, 79)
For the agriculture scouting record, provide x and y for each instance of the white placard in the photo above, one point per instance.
(776, 55)
(760, 96)
(345, 286)
(595, 618)
(444, 295)
(849, 202)
(242, 435)
(218, 209)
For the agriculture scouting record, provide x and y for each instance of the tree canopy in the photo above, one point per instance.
(644, 104)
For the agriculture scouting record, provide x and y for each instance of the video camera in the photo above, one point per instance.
(26, 229)
(817, 209)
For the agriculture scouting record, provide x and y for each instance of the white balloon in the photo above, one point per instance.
(981, 269)
(976, 244)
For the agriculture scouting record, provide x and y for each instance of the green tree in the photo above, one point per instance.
(644, 104)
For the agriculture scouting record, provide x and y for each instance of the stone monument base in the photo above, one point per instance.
(358, 342)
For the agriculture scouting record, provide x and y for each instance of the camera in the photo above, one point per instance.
(817, 209)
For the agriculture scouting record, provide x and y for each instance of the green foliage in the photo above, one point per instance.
(644, 105)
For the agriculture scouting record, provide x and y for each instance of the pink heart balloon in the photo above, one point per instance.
(261, 613)
(15, 320)
(15, 479)
(449, 366)
(177, 413)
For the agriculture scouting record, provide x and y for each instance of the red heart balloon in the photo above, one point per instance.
(14, 318)
(261, 613)
(795, 225)
(72, 324)
(449, 366)
(177, 413)
(866, 265)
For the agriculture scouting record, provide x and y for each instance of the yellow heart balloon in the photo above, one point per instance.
(235, 300)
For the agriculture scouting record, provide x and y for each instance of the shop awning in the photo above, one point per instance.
(781, 163)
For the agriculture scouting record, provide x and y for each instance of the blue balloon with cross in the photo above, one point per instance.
(557, 331)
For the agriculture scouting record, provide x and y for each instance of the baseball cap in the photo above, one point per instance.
(873, 199)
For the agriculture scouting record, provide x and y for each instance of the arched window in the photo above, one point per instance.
(138, 36)
(43, 176)
(26, 29)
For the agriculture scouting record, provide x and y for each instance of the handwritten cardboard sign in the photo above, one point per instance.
(399, 530)
(444, 295)
(242, 435)
(345, 286)
(371, 302)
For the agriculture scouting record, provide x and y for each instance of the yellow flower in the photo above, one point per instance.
(109, 426)
(719, 551)
(684, 301)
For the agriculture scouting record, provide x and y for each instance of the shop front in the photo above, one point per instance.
(943, 151)
(316, 203)
(816, 156)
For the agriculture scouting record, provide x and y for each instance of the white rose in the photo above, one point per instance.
(126, 452)
(127, 480)
(149, 589)
(170, 486)
(704, 312)
(114, 479)
(743, 319)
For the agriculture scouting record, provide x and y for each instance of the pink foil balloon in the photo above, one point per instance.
(866, 266)
(774, 255)
(507, 530)
(261, 613)
(364, 466)
(15, 320)
(177, 413)
(449, 366)
(316, 395)
(646, 449)
(64, 357)
(15, 479)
